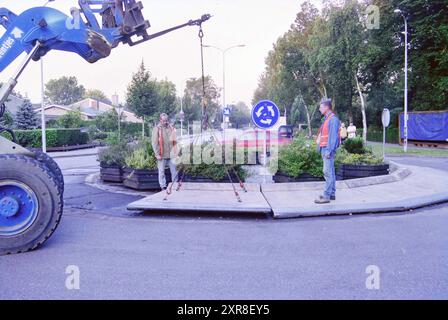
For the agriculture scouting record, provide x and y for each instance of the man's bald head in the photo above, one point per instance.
(164, 119)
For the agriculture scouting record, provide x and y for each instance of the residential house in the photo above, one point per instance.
(89, 108)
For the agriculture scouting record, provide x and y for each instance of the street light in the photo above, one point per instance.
(399, 12)
(44, 124)
(181, 118)
(224, 51)
(119, 108)
(182, 113)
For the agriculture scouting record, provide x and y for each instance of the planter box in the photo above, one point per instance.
(283, 178)
(143, 179)
(351, 171)
(345, 172)
(111, 173)
(201, 179)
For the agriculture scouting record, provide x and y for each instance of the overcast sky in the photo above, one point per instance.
(255, 23)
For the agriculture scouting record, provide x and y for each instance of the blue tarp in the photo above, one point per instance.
(426, 126)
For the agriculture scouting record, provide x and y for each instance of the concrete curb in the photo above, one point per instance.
(399, 173)
(375, 208)
(72, 156)
(94, 181)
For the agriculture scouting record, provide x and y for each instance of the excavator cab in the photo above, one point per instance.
(31, 182)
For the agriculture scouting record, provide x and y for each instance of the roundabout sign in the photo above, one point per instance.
(265, 114)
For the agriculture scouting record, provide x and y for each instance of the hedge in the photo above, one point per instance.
(55, 137)
(392, 135)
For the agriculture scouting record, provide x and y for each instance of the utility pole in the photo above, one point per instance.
(224, 51)
(406, 68)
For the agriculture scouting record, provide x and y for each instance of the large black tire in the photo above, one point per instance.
(52, 166)
(32, 173)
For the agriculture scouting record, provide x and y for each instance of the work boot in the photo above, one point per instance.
(322, 200)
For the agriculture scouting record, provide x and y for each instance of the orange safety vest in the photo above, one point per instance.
(173, 139)
(324, 132)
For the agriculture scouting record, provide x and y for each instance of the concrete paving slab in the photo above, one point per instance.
(421, 187)
(205, 197)
(359, 208)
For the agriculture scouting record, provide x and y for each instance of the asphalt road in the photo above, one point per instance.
(127, 256)
(434, 163)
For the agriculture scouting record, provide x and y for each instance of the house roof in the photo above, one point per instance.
(63, 108)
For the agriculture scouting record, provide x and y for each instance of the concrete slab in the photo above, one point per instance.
(359, 208)
(206, 197)
(421, 187)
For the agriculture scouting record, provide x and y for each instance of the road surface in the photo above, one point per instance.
(121, 255)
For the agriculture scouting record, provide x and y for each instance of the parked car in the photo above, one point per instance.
(286, 132)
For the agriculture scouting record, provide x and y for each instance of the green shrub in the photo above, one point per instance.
(355, 145)
(367, 158)
(142, 157)
(114, 155)
(71, 120)
(214, 171)
(99, 136)
(300, 157)
(55, 137)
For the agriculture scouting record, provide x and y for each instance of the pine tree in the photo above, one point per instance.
(26, 118)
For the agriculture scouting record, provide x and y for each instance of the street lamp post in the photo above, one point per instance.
(181, 118)
(399, 12)
(119, 111)
(44, 132)
(182, 113)
(224, 51)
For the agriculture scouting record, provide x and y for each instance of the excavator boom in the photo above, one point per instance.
(31, 183)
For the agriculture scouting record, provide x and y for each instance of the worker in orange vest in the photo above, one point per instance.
(164, 144)
(328, 142)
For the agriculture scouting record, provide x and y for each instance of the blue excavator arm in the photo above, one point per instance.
(92, 31)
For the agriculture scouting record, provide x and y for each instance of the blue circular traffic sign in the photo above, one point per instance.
(227, 111)
(265, 114)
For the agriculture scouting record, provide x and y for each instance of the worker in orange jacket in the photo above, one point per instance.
(328, 142)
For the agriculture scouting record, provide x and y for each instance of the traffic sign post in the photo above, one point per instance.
(265, 115)
(385, 118)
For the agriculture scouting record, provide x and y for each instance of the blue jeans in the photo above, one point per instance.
(330, 176)
(161, 164)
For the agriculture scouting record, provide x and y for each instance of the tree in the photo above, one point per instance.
(167, 97)
(428, 59)
(240, 115)
(193, 99)
(26, 118)
(64, 91)
(142, 94)
(7, 120)
(71, 120)
(348, 50)
(108, 121)
(97, 95)
(294, 73)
